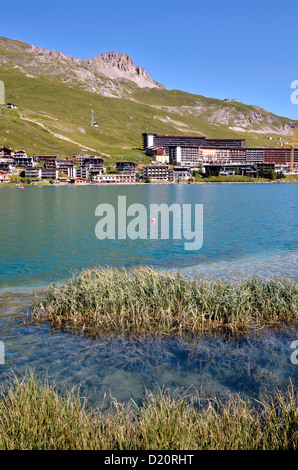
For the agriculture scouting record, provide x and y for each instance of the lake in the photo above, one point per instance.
(48, 232)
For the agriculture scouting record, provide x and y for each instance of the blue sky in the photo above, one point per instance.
(246, 50)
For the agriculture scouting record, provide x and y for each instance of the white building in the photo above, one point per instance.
(181, 173)
(185, 156)
(120, 178)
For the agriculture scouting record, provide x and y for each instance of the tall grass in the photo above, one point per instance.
(145, 301)
(34, 416)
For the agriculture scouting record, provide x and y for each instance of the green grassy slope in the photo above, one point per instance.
(54, 117)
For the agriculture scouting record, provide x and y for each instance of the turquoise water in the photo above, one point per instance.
(49, 232)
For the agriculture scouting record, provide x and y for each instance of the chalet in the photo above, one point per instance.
(4, 178)
(181, 173)
(22, 160)
(154, 151)
(20, 153)
(7, 165)
(64, 180)
(6, 152)
(49, 159)
(78, 181)
(163, 159)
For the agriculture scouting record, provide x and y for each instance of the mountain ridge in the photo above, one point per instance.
(56, 93)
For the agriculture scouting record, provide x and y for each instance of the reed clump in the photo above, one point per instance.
(148, 302)
(34, 416)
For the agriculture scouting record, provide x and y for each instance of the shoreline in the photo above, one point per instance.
(13, 185)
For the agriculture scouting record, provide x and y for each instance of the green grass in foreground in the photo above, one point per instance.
(34, 416)
(144, 301)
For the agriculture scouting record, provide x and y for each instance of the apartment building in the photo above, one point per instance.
(49, 173)
(158, 173)
(124, 178)
(214, 154)
(23, 162)
(126, 167)
(33, 172)
(166, 141)
(207, 154)
(275, 155)
(288, 156)
(79, 159)
(44, 173)
(94, 161)
(193, 156)
(94, 166)
(237, 154)
(255, 154)
(81, 172)
(185, 156)
(64, 166)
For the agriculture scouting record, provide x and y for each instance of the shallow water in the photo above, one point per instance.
(47, 233)
(126, 368)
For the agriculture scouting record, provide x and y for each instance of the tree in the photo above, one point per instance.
(207, 172)
(280, 175)
(262, 173)
(271, 175)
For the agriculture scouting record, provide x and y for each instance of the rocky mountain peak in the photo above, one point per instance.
(99, 74)
(117, 65)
